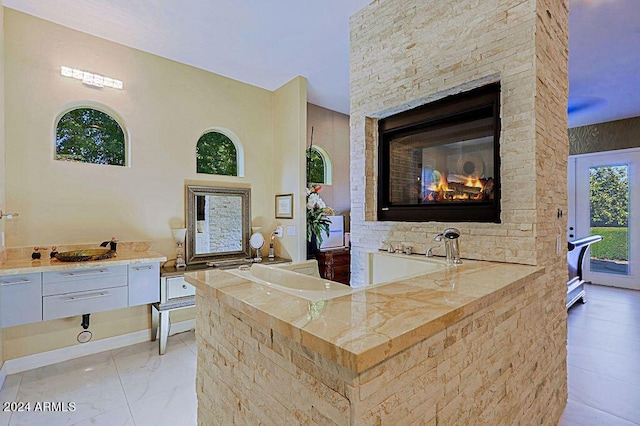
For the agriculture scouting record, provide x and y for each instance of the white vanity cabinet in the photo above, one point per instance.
(20, 299)
(144, 285)
(83, 291)
(59, 292)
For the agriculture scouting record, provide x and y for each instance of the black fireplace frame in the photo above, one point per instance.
(447, 110)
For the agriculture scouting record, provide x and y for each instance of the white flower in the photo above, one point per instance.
(315, 202)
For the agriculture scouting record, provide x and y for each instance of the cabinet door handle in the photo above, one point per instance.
(18, 282)
(86, 273)
(85, 297)
(143, 268)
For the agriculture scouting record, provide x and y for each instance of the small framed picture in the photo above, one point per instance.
(284, 206)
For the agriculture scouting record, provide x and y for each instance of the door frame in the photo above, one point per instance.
(579, 220)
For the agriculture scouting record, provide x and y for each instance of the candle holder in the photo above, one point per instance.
(179, 236)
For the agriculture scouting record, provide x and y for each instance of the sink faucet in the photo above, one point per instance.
(451, 246)
(112, 243)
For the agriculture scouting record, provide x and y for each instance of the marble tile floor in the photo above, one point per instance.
(603, 359)
(128, 386)
(136, 386)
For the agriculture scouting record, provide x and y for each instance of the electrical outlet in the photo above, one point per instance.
(278, 232)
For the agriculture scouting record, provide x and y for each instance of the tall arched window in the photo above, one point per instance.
(318, 166)
(218, 154)
(88, 135)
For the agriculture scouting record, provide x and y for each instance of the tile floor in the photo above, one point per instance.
(127, 386)
(136, 386)
(603, 359)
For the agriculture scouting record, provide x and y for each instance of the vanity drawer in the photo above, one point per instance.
(83, 280)
(83, 302)
(178, 287)
(144, 283)
(20, 299)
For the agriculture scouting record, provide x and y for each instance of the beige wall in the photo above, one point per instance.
(619, 134)
(287, 165)
(165, 106)
(331, 133)
(2, 162)
(446, 47)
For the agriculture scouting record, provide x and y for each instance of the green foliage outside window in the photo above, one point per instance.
(216, 155)
(614, 246)
(609, 196)
(90, 136)
(315, 167)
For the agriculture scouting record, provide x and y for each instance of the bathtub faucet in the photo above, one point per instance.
(451, 245)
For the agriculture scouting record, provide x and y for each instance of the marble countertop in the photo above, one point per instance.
(366, 327)
(24, 265)
(172, 271)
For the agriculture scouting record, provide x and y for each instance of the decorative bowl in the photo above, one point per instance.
(84, 255)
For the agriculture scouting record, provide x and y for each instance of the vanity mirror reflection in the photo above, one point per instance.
(218, 223)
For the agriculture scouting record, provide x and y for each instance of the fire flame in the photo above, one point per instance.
(474, 183)
(442, 190)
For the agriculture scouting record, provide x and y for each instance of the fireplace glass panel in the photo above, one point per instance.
(449, 164)
(441, 161)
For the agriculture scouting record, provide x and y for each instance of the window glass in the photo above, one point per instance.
(315, 167)
(90, 136)
(216, 155)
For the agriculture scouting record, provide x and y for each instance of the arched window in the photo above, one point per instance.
(218, 154)
(88, 135)
(318, 166)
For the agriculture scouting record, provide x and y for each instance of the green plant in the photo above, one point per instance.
(317, 212)
(614, 245)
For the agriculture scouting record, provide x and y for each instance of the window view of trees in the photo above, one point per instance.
(216, 155)
(315, 167)
(90, 136)
(609, 196)
(609, 201)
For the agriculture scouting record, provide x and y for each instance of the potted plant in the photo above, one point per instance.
(317, 220)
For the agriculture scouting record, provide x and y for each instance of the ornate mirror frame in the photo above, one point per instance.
(236, 204)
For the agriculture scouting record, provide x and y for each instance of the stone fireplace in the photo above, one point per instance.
(410, 53)
(428, 51)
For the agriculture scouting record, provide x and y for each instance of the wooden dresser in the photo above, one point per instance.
(335, 265)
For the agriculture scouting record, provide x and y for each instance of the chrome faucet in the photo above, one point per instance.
(451, 246)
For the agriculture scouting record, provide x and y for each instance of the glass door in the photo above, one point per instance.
(604, 199)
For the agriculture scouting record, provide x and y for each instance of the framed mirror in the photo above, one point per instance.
(218, 223)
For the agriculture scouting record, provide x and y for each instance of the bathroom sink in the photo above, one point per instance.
(84, 255)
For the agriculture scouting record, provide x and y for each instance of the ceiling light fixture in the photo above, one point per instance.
(91, 79)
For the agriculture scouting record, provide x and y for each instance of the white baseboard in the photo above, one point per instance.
(182, 326)
(29, 362)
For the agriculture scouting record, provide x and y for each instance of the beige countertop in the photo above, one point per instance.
(20, 262)
(361, 329)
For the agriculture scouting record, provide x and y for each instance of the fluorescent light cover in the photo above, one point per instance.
(91, 79)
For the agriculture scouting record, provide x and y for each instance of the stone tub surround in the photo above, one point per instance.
(18, 260)
(456, 346)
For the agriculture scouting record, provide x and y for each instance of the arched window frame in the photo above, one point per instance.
(236, 143)
(98, 107)
(328, 169)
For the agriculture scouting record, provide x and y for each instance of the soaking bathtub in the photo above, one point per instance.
(300, 279)
(383, 267)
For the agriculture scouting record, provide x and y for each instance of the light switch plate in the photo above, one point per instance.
(291, 230)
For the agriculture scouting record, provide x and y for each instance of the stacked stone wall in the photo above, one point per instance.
(406, 53)
(503, 365)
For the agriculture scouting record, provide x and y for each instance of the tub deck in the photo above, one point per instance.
(363, 328)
